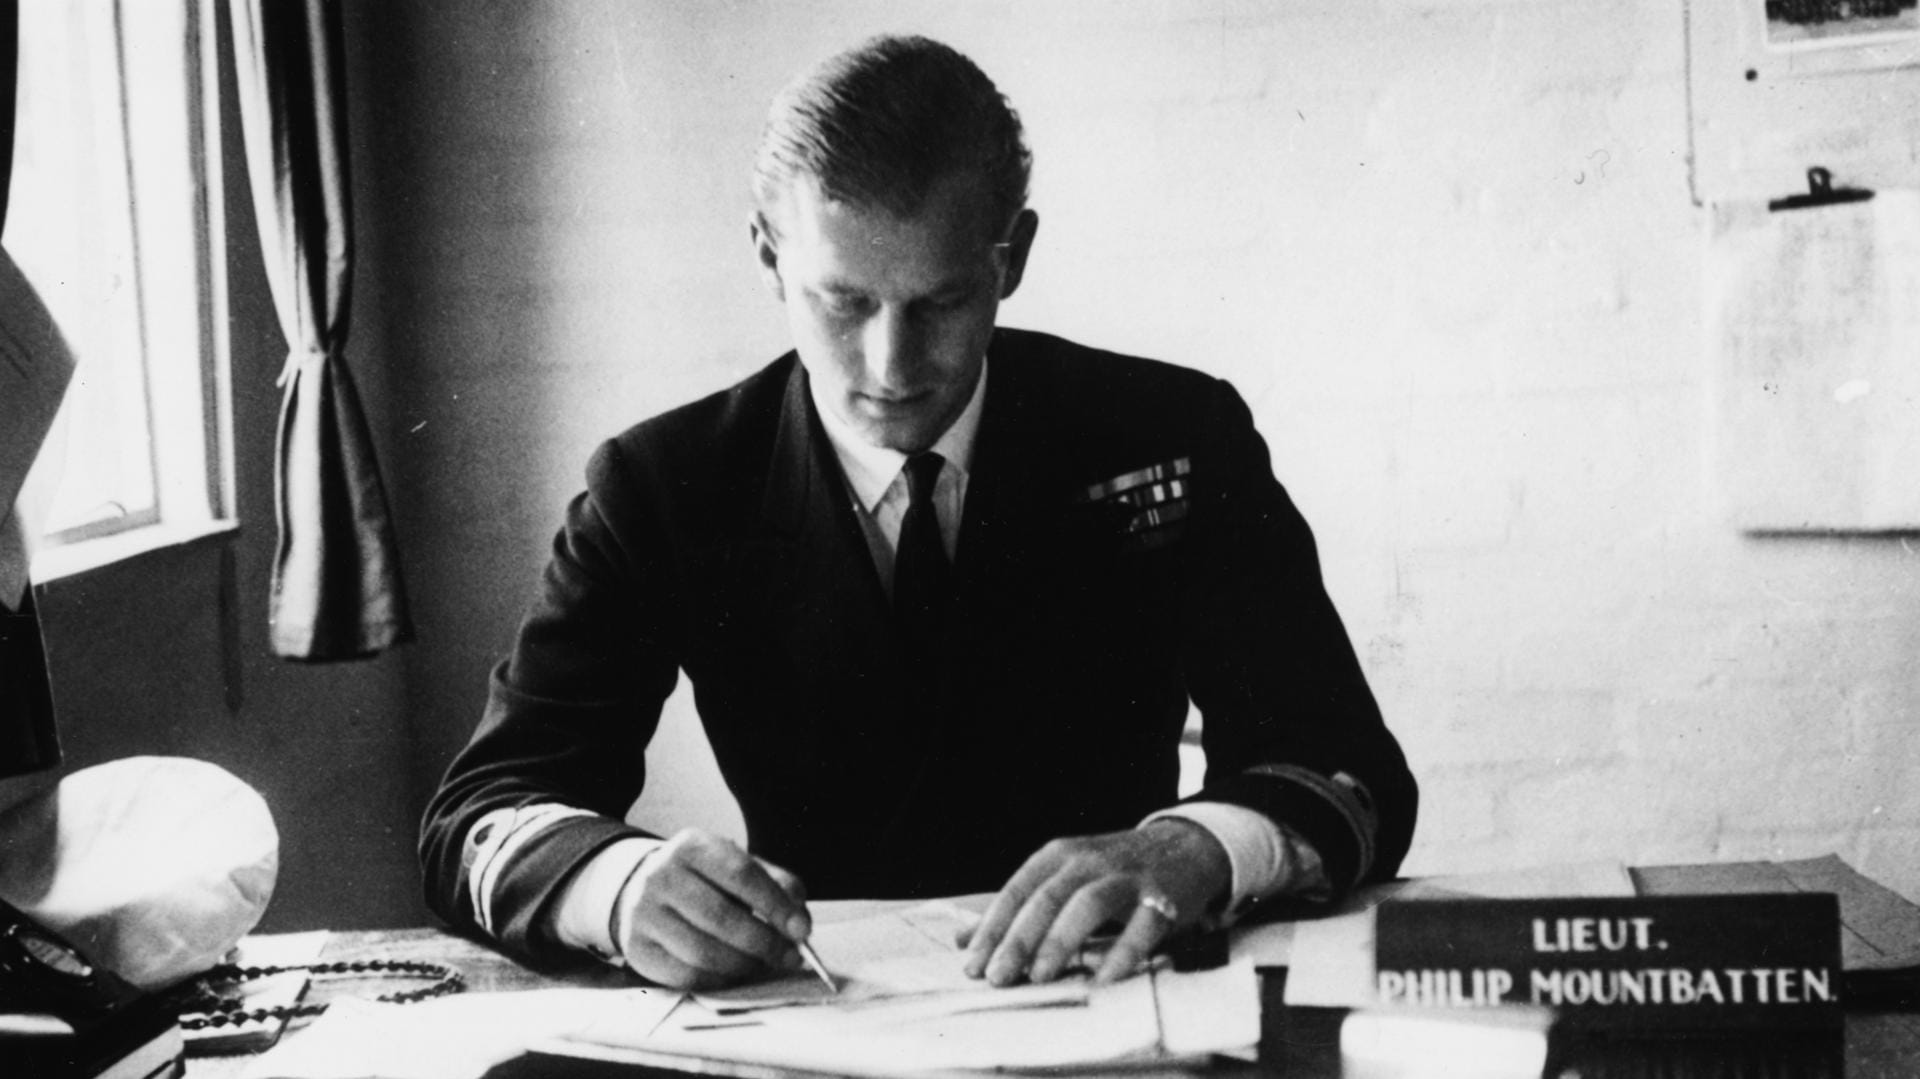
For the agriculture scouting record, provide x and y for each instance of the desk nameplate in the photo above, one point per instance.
(1706, 962)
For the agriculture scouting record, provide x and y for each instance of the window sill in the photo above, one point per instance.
(73, 559)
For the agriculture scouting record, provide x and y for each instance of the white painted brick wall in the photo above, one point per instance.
(1447, 252)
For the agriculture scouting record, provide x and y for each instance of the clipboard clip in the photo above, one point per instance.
(1820, 192)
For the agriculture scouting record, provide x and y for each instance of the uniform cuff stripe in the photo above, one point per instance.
(1346, 795)
(502, 833)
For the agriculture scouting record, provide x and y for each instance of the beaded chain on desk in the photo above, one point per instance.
(202, 1007)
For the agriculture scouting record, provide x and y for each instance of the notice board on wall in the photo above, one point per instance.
(1814, 326)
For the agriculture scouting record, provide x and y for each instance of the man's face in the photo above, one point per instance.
(891, 315)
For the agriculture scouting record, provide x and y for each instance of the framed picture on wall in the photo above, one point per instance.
(1841, 24)
(1778, 87)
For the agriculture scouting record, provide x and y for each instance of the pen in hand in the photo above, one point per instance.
(813, 960)
(698, 911)
(807, 954)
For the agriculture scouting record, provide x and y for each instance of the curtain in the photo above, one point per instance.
(28, 742)
(337, 592)
(9, 87)
(35, 367)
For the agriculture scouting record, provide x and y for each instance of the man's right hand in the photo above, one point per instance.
(700, 912)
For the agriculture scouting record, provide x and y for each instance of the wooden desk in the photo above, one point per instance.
(1876, 1046)
(486, 971)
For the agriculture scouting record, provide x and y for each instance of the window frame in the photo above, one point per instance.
(188, 385)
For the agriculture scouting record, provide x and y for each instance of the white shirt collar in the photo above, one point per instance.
(871, 469)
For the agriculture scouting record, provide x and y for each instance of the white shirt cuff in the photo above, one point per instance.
(1267, 859)
(586, 907)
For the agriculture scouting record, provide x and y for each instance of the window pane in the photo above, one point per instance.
(88, 217)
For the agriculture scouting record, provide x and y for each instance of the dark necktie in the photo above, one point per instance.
(922, 585)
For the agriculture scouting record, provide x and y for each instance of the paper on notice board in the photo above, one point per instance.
(1813, 330)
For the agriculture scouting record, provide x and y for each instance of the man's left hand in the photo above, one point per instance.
(1073, 888)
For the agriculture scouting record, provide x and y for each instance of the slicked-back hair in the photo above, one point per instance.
(882, 123)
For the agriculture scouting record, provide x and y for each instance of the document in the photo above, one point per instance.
(875, 952)
(457, 1037)
(1154, 1016)
(1813, 330)
(907, 1006)
(1471, 1043)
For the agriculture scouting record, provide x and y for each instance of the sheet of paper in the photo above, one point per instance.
(1573, 879)
(1813, 332)
(1149, 1017)
(1209, 1011)
(908, 1006)
(1278, 944)
(457, 1037)
(894, 1011)
(1332, 962)
(882, 951)
(1464, 1043)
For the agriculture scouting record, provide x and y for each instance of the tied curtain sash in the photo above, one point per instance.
(337, 591)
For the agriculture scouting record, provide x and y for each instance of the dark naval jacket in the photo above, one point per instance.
(1125, 549)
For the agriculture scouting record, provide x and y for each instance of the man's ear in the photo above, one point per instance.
(1019, 243)
(766, 253)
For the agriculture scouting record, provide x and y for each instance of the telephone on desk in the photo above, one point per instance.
(62, 1016)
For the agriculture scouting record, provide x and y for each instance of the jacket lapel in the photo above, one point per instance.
(835, 626)
(823, 573)
(1016, 491)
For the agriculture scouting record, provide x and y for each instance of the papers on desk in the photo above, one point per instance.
(879, 952)
(1155, 1016)
(1481, 1043)
(908, 1008)
(457, 1037)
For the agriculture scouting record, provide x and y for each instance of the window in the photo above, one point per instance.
(115, 217)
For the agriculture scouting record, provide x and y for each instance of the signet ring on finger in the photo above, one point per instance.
(1161, 905)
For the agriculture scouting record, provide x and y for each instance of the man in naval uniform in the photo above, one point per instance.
(945, 593)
